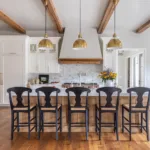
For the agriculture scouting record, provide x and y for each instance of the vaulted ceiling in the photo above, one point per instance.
(30, 13)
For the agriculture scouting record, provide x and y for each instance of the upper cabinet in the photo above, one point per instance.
(12, 44)
(43, 62)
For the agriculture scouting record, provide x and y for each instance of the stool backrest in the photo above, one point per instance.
(78, 91)
(18, 92)
(47, 93)
(109, 92)
(140, 91)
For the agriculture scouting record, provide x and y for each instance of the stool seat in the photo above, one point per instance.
(127, 106)
(106, 108)
(51, 108)
(24, 108)
(78, 108)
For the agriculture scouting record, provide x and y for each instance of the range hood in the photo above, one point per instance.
(90, 55)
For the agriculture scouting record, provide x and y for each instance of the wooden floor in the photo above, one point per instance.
(48, 142)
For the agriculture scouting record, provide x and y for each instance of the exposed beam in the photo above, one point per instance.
(53, 13)
(143, 27)
(107, 15)
(11, 23)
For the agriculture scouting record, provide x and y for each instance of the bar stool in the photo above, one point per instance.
(21, 107)
(107, 108)
(78, 108)
(137, 107)
(48, 107)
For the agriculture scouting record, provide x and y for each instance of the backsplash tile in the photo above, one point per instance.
(70, 73)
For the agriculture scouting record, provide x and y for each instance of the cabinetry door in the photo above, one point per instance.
(42, 63)
(13, 73)
(33, 63)
(13, 46)
(53, 63)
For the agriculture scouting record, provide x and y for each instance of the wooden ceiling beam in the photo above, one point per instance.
(53, 13)
(12, 23)
(144, 27)
(107, 15)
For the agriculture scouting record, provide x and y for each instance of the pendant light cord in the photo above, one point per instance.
(45, 19)
(80, 17)
(115, 20)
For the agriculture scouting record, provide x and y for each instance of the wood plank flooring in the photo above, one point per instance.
(48, 142)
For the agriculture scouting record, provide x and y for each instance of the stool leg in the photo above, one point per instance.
(99, 125)
(69, 119)
(29, 125)
(122, 120)
(56, 124)
(88, 119)
(114, 122)
(12, 124)
(141, 122)
(147, 123)
(86, 122)
(130, 131)
(116, 125)
(61, 119)
(35, 119)
(42, 114)
(39, 130)
(95, 118)
(18, 128)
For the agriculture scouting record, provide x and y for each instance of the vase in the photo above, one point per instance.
(109, 83)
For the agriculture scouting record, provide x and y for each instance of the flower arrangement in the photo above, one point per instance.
(107, 74)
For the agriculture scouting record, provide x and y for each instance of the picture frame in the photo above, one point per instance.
(44, 79)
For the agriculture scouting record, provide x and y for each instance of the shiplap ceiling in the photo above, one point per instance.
(30, 13)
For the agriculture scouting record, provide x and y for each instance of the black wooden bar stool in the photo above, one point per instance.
(21, 107)
(107, 108)
(48, 107)
(78, 108)
(137, 107)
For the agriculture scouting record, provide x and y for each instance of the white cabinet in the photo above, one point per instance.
(11, 46)
(53, 63)
(32, 63)
(13, 63)
(44, 62)
(13, 73)
(42, 65)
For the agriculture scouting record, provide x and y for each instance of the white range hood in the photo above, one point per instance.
(90, 55)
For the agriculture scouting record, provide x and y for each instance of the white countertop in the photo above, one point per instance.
(63, 93)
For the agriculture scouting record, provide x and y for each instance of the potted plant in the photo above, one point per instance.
(108, 77)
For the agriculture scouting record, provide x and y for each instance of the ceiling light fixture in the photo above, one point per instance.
(80, 43)
(114, 43)
(45, 44)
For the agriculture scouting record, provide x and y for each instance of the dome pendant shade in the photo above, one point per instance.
(114, 43)
(45, 44)
(79, 43)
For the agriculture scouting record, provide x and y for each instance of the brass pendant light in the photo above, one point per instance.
(45, 44)
(114, 43)
(80, 43)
